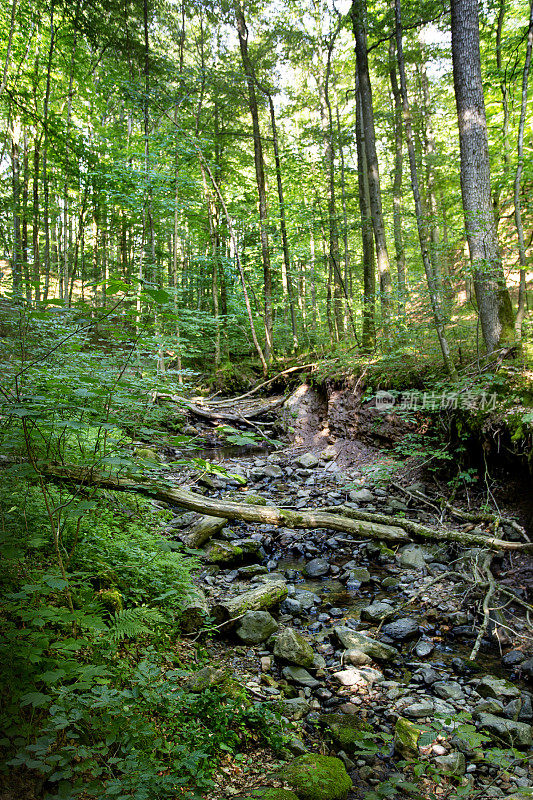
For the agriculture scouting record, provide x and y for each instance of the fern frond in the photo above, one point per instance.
(131, 622)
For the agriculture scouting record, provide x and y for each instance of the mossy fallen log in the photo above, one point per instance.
(357, 524)
(202, 530)
(269, 594)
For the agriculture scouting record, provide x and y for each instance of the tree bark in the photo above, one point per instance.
(397, 185)
(421, 225)
(242, 31)
(494, 303)
(369, 263)
(522, 294)
(265, 596)
(270, 515)
(358, 14)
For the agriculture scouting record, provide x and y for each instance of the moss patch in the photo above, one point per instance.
(317, 777)
(265, 793)
(348, 730)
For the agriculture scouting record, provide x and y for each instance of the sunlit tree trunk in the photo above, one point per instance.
(522, 294)
(260, 176)
(358, 14)
(36, 222)
(421, 224)
(494, 303)
(367, 240)
(397, 186)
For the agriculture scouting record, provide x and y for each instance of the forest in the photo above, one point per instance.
(266, 399)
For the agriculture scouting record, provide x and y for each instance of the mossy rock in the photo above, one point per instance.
(146, 452)
(406, 736)
(111, 599)
(316, 777)
(223, 553)
(348, 730)
(270, 793)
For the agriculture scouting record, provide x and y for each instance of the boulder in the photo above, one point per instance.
(315, 777)
(256, 627)
(498, 688)
(291, 646)
(352, 640)
(219, 552)
(406, 736)
(317, 567)
(401, 629)
(375, 611)
(307, 461)
(301, 676)
(352, 676)
(412, 556)
(517, 734)
(356, 658)
(347, 730)
(452, 764)
(361, 496)
(448, 690)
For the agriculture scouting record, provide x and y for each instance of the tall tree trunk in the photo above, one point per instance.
(242, 31)
(36, 222)
(347, 270)
(494, 303)
(46, 188)
(397, 186)
(334, 253)
(506, 149)
(16, 261)
(5, 72)
(522, 294)
(369, 263)
(421, 224)
(283, 224)
(25, 193)
(358, 14)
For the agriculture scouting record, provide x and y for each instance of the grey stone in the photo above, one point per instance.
(301, 676)
(306, 598)
(512, 658)
(396, 505)
(272, 471)
(412, 556)
(499, 688)
(360, 574)
(307, 461)
(291, 646)
(424, 649)
(256, 627)
(401, 629)
(295, 707)
(356, 657)
(424, 708)
(291, 606)
(375, 611)
(526, 667)
(352, 640)
(361, 496)
(365, 676)
(449, 690)
(317, 567)
(452, 764)
(517, 734)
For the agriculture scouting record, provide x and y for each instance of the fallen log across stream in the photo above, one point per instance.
(394, 530)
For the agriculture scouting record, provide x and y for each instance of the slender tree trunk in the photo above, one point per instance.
(422, 232)
(369, 263)
(522, 294)
(494, 303)
(397, 185)
(283, 224)
(242, 31)
(46, 188)
(358, 14)
(347, 269)
(5, 72)
(25, 193)
(16, 261)
(67, 156)
(36, 222)
(506, 149)
(334, 253)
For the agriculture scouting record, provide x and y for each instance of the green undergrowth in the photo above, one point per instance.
(92, 659)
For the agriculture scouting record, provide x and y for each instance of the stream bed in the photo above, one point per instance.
(414, 666)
